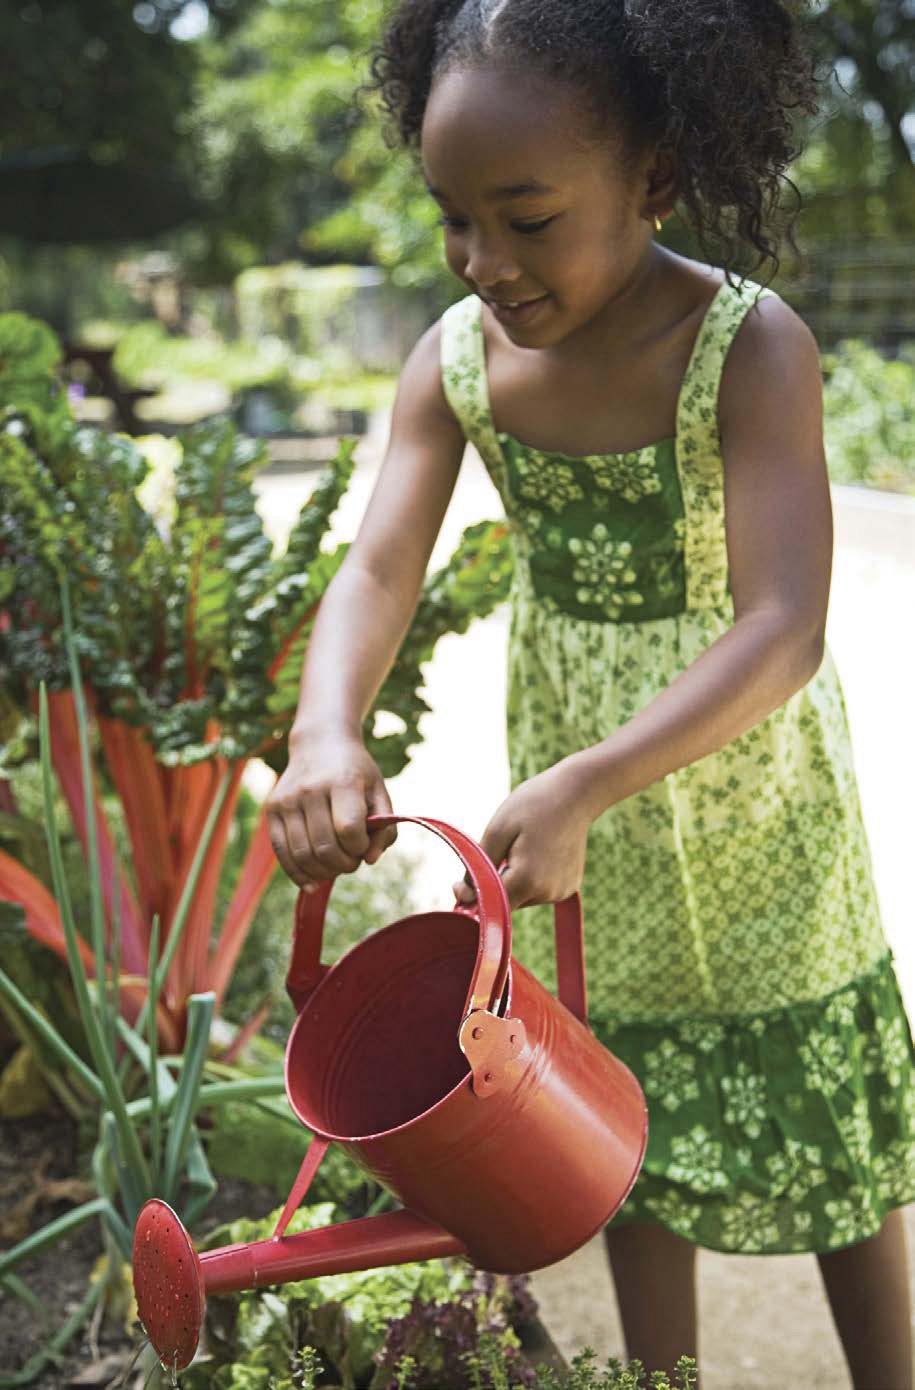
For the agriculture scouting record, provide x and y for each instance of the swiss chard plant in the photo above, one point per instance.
(190, 632)
(145, 1104)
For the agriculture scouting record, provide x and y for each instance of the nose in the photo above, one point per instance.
(489, 261)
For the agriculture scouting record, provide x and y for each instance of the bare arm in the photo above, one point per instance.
(779, 539)
(318, 809)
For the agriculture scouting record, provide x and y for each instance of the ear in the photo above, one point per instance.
(660, 184)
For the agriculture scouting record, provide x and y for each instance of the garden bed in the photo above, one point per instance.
(36, 1153)
(39, 1156)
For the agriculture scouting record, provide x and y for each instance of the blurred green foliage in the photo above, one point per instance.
(259, 111)
(870, 417)
(148, 355)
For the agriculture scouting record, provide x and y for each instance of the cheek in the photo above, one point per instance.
(455, 257)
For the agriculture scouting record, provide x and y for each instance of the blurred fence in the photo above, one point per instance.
(856, 290)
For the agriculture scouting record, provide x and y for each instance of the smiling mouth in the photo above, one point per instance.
(515, 303)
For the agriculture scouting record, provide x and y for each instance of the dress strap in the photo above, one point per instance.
(699, 461)
(463, 358)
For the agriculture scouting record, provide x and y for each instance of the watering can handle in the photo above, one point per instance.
(494, 950)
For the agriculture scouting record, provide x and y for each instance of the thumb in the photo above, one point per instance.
(496, 848)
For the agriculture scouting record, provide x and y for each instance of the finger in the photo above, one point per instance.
(519, 888)
(464, 890)
(382, 836)
(328, 854)
(301, 847)
(348, 812)
(289, 859)
(495, 844)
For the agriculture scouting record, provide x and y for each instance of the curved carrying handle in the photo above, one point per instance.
(493, 953)
(306, 970)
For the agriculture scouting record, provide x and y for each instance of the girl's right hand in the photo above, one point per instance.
(316, 813)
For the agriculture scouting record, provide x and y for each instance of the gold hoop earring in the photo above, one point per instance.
(658, 224)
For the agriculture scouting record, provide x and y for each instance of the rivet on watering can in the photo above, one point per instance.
(478, 1033)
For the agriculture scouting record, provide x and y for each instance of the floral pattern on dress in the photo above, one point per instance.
(554, 485)
(670, 1075)
(745, 1100)
(631, 475)
(750, 1160)
(602, 571)
(736, 959)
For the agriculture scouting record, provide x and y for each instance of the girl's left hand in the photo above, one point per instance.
(542, 831)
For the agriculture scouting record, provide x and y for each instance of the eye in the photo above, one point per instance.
(453, 224)
(530, 228)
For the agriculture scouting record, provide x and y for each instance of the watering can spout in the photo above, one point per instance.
(453, 1078)
(171, 1279)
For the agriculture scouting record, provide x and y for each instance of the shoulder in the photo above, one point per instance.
(440, 342)
(773, 360)
(420, 389)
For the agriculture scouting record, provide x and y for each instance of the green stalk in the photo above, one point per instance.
(140, 1052)
(201, 1182)
(152, 1040)
(20, 1289)
(70, 1221)
(158, 978)
(104, 1062)
(132, 1193)
(102, 1176)
(219, 1093)
(49, 1035)
(36, 1364)
(199, 1017)
(113, 1011)
(97, 910)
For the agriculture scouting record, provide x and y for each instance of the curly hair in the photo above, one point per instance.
(718, 84)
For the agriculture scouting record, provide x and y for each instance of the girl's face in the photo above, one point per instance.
(541, 221)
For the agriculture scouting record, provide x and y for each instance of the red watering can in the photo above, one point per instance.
(448, 1072)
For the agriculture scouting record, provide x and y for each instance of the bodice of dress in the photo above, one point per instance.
(618, 537)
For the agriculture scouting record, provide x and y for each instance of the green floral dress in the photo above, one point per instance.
(735, 956)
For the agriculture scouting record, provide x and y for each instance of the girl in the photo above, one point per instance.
(654, 429)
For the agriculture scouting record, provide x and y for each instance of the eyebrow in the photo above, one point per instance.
(506, 190)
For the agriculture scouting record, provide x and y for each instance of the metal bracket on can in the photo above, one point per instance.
(492, 1046)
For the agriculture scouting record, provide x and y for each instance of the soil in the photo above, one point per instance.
(743, 1299)
(38, 1158)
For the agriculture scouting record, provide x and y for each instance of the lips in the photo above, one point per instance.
(516, 311)
(515, 303)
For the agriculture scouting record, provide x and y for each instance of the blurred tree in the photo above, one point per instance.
(274, 115)
(240, 123)
(94, 141)
(297, 163)
(858, 172)
(871, 43)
